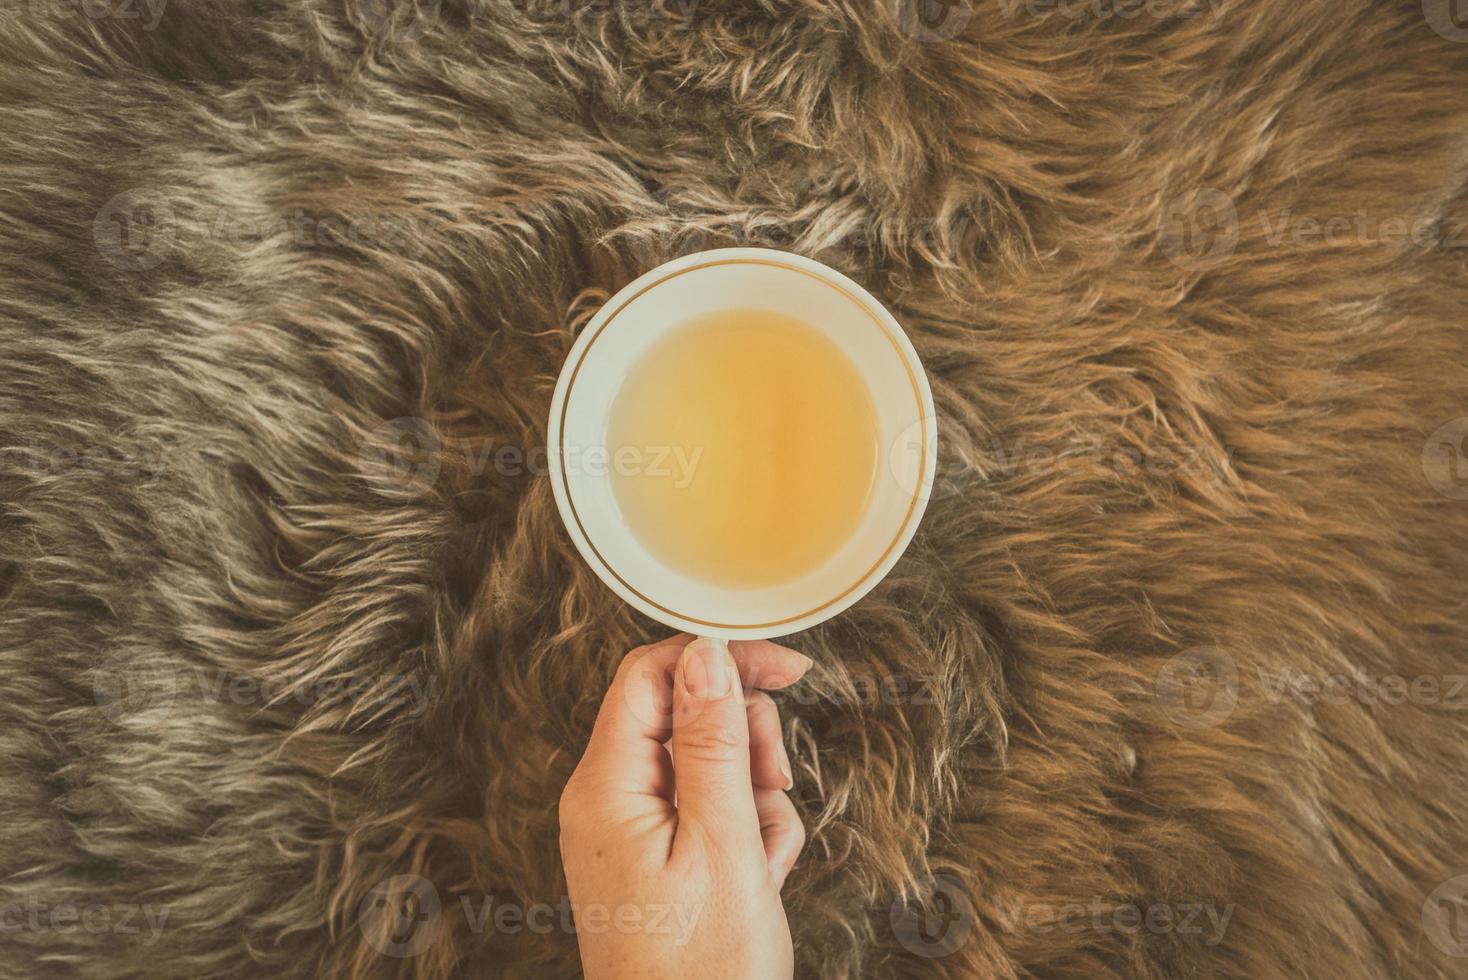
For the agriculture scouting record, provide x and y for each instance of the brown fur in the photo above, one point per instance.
(1148, 450)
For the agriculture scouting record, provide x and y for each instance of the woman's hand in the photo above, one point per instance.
(676, 833)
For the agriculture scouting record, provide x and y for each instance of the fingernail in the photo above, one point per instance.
(809, 663)
(706, 668)
(783, 761)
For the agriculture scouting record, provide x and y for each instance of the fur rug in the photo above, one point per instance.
(295, 656)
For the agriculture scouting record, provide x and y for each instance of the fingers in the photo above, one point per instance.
(625, 753)
(781, 832)
(769, 763)
(711, 754)
(767, 665)
(639, 702)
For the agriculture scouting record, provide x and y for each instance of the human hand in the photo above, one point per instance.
(680, 849)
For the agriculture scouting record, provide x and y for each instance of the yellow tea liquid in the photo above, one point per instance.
(743, 448)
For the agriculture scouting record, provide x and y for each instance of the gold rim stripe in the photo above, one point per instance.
(911, 507)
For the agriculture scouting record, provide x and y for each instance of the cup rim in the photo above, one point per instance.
(559, 405)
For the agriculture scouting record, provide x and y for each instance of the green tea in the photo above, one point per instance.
(744, 448)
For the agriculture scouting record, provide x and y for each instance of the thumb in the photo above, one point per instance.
(711, 750)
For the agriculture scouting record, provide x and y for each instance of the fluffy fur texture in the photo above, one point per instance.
(1184, 414)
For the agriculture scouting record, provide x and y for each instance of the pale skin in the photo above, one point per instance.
(676, 831)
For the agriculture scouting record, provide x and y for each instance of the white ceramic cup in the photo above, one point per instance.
(580, 461)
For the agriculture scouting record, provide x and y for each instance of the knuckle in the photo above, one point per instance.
(638, 658)
(797, 833)
(638, 672)
(760, 705)
(571, 800)
(572, 827)
(632, 658)
(711, 741)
